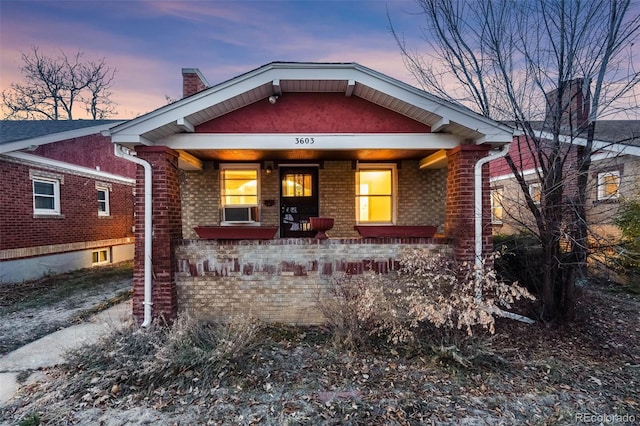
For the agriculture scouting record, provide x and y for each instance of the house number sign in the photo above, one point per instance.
(305, 140)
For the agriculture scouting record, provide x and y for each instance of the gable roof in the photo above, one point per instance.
(621, 136)
(20, 134)
(277, 78)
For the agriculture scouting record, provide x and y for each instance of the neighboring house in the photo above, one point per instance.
(66, 201)
(614, 175)
(235, 174)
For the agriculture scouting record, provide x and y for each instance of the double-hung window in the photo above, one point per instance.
(497, 211)
(376, 186)
(608, 185)
(240, 192)
(535, 190)
(46, 196)
(103, 200)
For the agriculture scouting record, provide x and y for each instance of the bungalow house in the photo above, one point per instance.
(66, 201)
(239, 184)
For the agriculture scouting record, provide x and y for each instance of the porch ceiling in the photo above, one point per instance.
(306, 155)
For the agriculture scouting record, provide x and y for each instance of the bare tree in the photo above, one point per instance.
(54, 87)
(521, 62)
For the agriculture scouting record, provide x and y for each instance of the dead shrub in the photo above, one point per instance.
(161, 356)
(431, 297)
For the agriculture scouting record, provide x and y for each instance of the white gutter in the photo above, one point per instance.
(478, 201)
(120, 152)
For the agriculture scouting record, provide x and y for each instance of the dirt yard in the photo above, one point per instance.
(587, 372)
(34, 309)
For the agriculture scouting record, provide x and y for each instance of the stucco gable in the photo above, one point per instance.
(314, 113)
(281, 79)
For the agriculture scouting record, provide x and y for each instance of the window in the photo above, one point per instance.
(535, 190)
(100, 256)
(297, 185)
(608, 185)
(46, 196)
(497, 210)
(375, 189)
(103, 201)
(239, 188)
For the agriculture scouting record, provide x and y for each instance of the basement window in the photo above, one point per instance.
(100, 257)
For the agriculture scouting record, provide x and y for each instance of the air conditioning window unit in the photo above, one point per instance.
(240, 214)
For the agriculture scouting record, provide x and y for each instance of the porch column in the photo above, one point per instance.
(167, 227)
(460, 207)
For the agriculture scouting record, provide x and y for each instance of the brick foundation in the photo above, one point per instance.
(278, 280)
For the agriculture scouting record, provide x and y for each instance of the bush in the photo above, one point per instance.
(519, 260)
(629, 222)
(430, 292)
(181, 354)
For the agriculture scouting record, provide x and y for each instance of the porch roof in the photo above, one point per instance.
(173, 125)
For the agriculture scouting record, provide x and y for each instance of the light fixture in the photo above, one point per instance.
(273, 99)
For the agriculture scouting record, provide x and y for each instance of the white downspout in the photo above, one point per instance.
(478, 201)
(120, 152)
(478, 229)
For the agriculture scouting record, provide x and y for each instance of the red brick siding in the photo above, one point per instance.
(167, 228)
(88, 151)
(79, 220)
(460, 214)
(191, 83)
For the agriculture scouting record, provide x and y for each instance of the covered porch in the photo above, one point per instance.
(232, 176)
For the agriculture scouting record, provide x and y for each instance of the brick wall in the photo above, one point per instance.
(78, 221)
(421, 197)
(277, 280)
(460, 206)
(192, 82)
(167, 229)
(337, 197)
(92, 151)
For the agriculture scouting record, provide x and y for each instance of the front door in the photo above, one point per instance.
(298, 200)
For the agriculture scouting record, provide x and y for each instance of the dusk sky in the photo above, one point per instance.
(149, 42)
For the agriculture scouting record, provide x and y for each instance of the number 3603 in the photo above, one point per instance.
(305, 141)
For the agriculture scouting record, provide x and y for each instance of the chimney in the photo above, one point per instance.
(192, 81)
(574, 105)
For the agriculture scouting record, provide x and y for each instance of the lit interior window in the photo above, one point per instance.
(374, 195)
(239, 187)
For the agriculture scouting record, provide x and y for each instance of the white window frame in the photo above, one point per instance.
(107, 210)
(494, 218)
(240, 166)
(394, 191)
(55, 196)
(535, 187)
(601, 185)
(96, 254)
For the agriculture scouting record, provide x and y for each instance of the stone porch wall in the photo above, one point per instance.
(278, 280)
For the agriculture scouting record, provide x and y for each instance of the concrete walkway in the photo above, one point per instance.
(49, 350)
